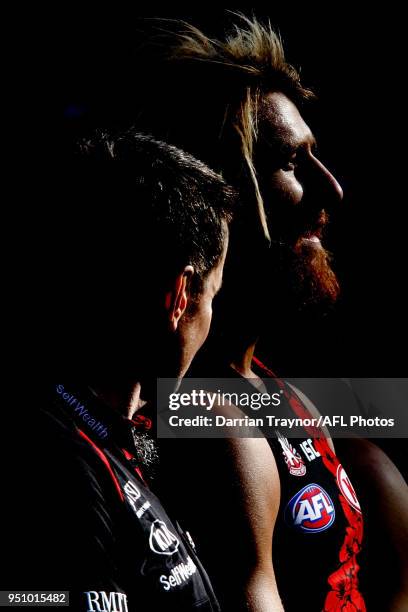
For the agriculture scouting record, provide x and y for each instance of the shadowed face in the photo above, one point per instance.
(298, 190)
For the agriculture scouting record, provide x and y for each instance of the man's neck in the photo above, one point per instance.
(243, 366)
(242, 361)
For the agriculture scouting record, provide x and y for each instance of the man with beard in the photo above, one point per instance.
(238, 105)
(82, 515)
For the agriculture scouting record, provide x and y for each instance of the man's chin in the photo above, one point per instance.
(315, 282)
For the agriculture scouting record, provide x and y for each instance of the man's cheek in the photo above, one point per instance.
(293, 189)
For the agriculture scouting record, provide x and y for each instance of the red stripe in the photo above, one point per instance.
(102, 456)
(139, 472)
(127, 454)
(137, 469)
(261, 365)
(344, 592)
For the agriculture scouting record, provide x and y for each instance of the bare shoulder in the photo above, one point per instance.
(254, 467)
(371, 462)
(240, 476)
(229, 493)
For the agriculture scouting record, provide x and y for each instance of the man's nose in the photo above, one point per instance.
(325, 184)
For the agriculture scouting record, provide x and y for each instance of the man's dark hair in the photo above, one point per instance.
(129, 213)
(163, 204)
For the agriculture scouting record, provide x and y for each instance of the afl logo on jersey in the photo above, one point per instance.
(347, 488)
(161, 540)
(310, 510)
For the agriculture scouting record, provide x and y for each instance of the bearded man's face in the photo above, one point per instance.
(297, 190)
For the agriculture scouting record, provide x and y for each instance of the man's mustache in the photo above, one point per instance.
(315, 226)
(303, 228)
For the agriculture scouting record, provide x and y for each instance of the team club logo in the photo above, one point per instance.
(347, 488)
(311, 510)
(161, 540)
(293, 460)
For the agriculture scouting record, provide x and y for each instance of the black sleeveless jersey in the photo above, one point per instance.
(319, 528)
(93, 527)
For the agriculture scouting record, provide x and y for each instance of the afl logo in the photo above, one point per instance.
(161, 540)
(347, 488)
(311, 510)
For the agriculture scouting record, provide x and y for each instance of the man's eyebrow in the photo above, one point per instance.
(288, 146)
(280, 145)
(313, 143)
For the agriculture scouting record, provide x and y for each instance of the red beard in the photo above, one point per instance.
(313, 281)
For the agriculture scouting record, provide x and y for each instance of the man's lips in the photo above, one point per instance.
(305, 231)
(314, 232)
(312, 238)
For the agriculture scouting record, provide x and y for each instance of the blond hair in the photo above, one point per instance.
(246, 65)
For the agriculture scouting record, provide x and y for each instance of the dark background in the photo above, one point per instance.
(354, 63)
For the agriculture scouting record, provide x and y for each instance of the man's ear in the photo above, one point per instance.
(177, 298)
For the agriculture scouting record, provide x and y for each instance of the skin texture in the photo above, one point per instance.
(257, 474)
